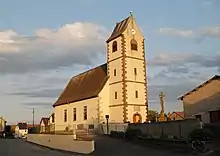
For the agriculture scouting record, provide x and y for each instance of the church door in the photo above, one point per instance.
(137, 118)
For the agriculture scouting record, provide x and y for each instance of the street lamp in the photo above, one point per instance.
(107, 117)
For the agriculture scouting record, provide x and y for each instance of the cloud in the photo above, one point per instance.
(211, 32)
(38, 104)
(177, 32)
(43, 93)
(178, 60)
(79, 43)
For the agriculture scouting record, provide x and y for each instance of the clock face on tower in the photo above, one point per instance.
(133, 31)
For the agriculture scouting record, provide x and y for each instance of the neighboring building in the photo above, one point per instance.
(44, 125)
(21, 130)
(117, 88)
(2, 124)
(176, 116)
(203, 102)
(52, 122)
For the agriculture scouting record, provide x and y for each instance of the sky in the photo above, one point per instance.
(44, 43)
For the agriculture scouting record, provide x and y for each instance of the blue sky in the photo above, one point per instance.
(182, 47)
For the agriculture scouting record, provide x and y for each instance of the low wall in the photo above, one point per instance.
(179, 129)
(62, 142)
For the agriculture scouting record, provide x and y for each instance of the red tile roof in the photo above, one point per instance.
(181, 114)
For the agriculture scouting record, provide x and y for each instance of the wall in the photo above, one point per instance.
(180, 129)
(62, 142)
(135, 59)
(103, 103)
(92, 113)
(205, 99)
(126, 83)
(2, 124)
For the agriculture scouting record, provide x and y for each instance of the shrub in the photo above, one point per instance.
(132, 133)
(117, 134)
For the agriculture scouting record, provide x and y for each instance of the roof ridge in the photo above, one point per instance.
(198, 86)
(88, 71)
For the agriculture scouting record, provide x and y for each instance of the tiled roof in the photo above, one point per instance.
(44, 120)
(195, 89)
(181, 114)
(84, 86)
(119, 29)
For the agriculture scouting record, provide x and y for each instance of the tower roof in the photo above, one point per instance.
(120, 28)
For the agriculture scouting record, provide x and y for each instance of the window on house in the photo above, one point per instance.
(85, 112)
(74, 114)
(65, 115)
(135, 71)
(114, 72)
(134, 45)
(114, 46)
(136, 94)
(116, 95)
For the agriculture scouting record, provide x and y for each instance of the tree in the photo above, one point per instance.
(152, 115)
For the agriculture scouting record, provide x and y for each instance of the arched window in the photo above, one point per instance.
(114, 46)
(134, 45)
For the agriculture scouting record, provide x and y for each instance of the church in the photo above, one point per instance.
(117, 88)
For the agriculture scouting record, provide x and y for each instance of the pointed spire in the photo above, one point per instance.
(131, 14)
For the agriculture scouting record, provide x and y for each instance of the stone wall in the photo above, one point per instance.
(62, 142)
(179, 129)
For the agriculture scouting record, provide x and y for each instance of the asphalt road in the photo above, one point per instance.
(17, 147)
(104, 147)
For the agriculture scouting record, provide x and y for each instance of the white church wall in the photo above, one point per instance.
(103, 103)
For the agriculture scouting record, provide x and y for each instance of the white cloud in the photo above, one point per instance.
(196, 34)
(180, 59)
(77, 43)
(177, 32)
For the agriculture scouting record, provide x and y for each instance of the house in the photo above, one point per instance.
(2, 124)
(21, 130)
(203, 102)
(176, 116)
(52, 122)
(44, 125)
(116, 89)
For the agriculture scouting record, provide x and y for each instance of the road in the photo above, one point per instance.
(17, 147)
(104, 147)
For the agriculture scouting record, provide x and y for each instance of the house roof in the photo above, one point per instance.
(216, 77)
(84, 86)
(22, 125)
(45, 120)
(52, 115)
(119, 28)
(181, 114)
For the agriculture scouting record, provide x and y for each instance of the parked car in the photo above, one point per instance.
(21, 130)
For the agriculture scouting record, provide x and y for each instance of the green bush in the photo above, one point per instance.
(201, 134)
(117, 134)
(132, 133)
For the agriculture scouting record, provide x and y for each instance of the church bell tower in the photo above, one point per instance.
(127, 73)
